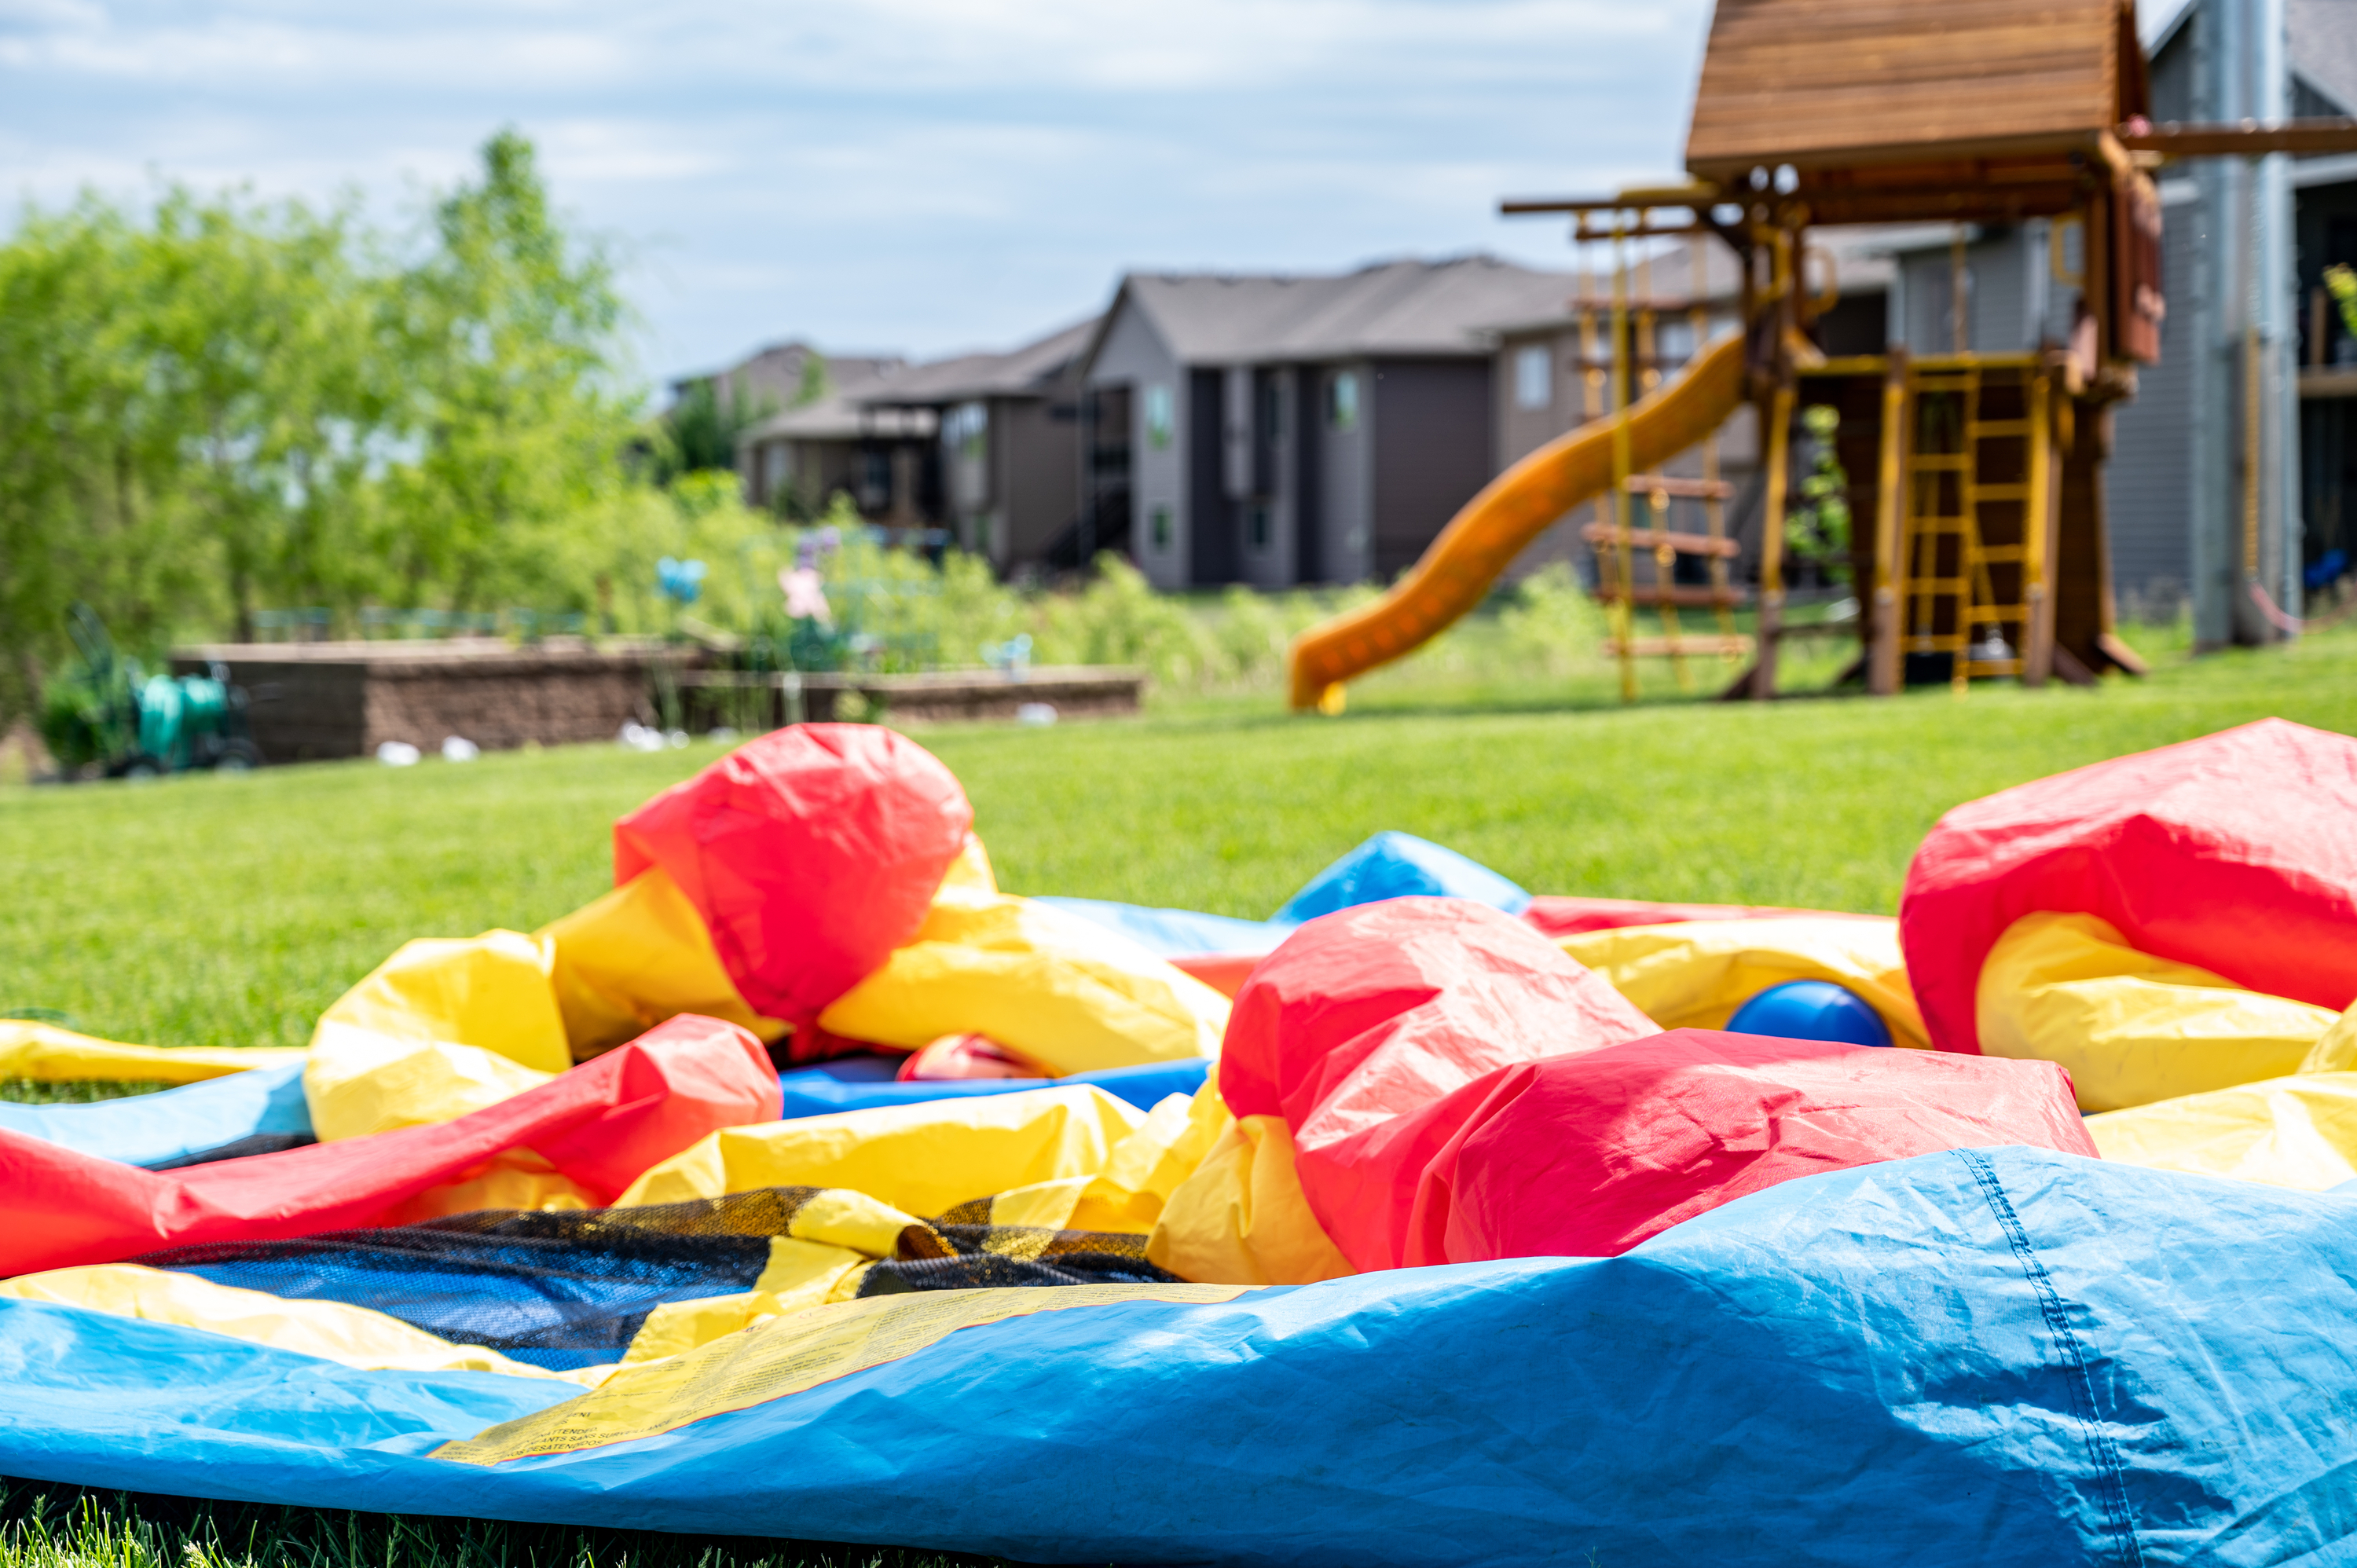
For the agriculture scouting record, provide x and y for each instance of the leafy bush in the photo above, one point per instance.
(1552, 621)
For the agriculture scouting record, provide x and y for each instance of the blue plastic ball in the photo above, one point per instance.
(1811, 1010)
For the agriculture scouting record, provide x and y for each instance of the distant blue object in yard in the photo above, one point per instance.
(1401, 866)
(1811, 1010)
(2330, 569)
(680, 581)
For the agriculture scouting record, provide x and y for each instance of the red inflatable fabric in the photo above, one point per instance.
(601, 1124)
(1554, 916)
(1366, 1016)
(2236, 853)
(1587, 1156)
(811, 852)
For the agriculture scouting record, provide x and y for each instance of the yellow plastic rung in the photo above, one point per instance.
(2000, 552)
(1942, 462)
(1986, 429)
(2007, 493)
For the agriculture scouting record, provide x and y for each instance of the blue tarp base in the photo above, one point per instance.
(858, 1083)
(173, 1124)
(1974, 1356)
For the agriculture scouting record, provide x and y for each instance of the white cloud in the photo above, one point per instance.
(921, 173)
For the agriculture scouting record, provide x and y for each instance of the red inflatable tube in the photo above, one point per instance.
(1366, 1016)
(811, 852)
(601, 1124)
(1587, 1156)
(2236, 853)
(1549, 915)
(1553, 916)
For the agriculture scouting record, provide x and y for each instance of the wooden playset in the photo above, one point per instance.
(1974, 478)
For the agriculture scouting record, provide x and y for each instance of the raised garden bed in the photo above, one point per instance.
(318, 700)
(750, 701)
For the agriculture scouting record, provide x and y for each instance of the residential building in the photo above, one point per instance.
(1009, 455)
(881, 455)
(1276, 430)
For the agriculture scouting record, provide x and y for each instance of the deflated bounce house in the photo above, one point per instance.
(806, 1184)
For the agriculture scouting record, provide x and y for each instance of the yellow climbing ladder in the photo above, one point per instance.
(1957, 472)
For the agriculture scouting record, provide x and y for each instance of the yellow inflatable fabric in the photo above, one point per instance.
(1240, 1217)
(635, 957)
(2131, 1028)
(2336, 1050)
(2297, 1131)
(1694, 974)
(800, 1276)
(919, 1159)
(442, 1028)
(43, 1053)
(1063, 992)
(331, 1330)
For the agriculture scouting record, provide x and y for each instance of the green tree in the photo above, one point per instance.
(513, 400)
(699, 430)
(258, 333)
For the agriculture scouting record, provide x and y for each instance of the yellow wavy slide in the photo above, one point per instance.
(1513, 509)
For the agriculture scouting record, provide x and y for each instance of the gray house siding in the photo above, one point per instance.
(1039, 471)
(2149, 483)
(1345, 479)
(1133, 355)
(1432, 451)
(1268, 421)
(1211, 515)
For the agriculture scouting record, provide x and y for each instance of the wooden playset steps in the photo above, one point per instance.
(1659, 539)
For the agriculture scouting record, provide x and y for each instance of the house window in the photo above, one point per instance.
(1159, 529)
(1674, 341)
(964, 429)
(875, 480)
(1272, 413)
(1158, 417)
(1257, 526)
(1342, 401)
(1533, 377)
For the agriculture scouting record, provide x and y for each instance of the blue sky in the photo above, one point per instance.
(922, 176)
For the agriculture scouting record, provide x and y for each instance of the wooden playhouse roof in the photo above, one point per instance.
(1826, 84)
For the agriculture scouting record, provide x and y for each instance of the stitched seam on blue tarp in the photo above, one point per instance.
(2119, 1516)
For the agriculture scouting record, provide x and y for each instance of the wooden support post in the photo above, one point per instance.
(1959, 324)
(1621, 521)
(2042, 521)
(1883, 661)
(1771, 542)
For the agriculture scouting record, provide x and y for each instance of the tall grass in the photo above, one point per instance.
(69, 1527)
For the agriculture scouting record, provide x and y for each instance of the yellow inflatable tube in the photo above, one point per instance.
(43, 1053)
(1513, 509)
(921, 1159)
(2131, 1028)
(1694, 974)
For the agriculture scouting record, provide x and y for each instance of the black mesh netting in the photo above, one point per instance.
(571, 1288)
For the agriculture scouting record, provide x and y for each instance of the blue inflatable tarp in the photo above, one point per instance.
(172, 1125)
(1388, 865)
(1975, 1355)
(858, 1083)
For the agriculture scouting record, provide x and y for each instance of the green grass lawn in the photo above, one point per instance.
(229, 912)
